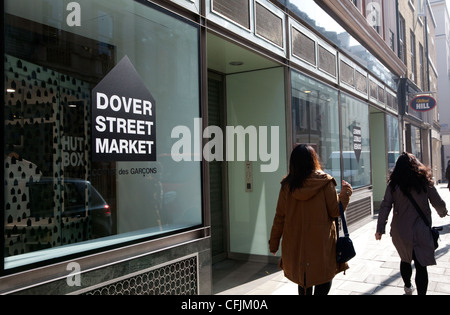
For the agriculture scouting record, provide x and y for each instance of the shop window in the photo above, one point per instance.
(58, 199)
(356, 143)
(315, 120)
(393, 140)
(415, 142)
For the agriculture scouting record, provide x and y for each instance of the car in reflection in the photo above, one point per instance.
(71, 199)
(355, 171)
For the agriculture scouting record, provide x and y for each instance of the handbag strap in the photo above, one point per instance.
(344, 222)
(419, 211)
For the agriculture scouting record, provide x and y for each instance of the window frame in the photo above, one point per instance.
(154, 242)
(343, 145)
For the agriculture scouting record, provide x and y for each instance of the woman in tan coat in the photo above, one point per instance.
(307, 207)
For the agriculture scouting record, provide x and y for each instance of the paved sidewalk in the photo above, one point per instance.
(374, 271)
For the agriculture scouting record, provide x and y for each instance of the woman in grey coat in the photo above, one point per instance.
(410, 235)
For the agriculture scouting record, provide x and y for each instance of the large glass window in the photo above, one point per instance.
(416, 140)
(128, 72)
(393, 139)
(315, 120)
(356, 143)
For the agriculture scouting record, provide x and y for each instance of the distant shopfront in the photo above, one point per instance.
(417, 112)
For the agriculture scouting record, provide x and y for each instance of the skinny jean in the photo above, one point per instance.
(421, 275)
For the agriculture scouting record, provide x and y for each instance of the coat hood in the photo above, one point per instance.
(313, 186)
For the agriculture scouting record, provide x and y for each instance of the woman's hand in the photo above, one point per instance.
(347, 187)
(378, 236)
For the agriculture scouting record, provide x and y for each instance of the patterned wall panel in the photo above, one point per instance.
(359, 210)
(175, 278)
(347, 73)
(327, 61)
(39, 137)
(361, 82)
(236, 10)
(303, 47)
(269, 25)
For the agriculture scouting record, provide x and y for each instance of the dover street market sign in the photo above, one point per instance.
(423, 103)
(123, 117)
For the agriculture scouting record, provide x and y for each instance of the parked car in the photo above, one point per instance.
(80, 200)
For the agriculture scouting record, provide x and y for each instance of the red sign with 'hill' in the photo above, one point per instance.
(423, 103)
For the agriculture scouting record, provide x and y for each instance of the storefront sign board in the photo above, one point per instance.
(423, 103)
(123, 117)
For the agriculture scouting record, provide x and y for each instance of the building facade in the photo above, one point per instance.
(441, 13)
(146, 140)
(422, 129)
(414, 42)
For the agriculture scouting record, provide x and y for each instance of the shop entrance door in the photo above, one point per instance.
(246, 91)
(224, 58)
(217, 171)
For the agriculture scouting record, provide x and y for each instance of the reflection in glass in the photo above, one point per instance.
(56, 197)
(315, 120)
(416, 140)
(356, 143)
(393, 140)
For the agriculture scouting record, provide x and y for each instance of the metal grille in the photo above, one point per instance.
(373, 90)
(391, 101)
(268, 25)
(361, 82)
(178, 278)
(347, 74)
(359, 210)
(327, 61)
(303, 47)
(381, 96)
(236, 10)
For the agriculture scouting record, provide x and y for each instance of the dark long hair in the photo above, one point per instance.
(303, 163)
(410, 174)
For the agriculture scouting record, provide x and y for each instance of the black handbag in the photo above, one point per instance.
(344, 246)
(434, 230)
